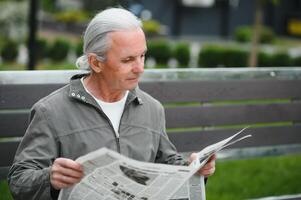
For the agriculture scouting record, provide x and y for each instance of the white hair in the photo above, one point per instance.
(96, 35)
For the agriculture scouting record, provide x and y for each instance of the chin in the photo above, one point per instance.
(132, 86)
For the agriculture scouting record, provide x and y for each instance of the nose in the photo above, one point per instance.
(139, 66)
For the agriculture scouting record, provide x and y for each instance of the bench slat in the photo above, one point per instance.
(264, 136)
(22, 96)
(7, 152)
(204, 91)
(14, 124)
(232, 114)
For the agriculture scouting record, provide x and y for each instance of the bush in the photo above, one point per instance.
(211, 56)
(235, 57)
(281, 59)
(79, 48)
(59, 50)
(42, 48)
(297, 61)
(151, 27)
(267, 35)
(218, 56)
(265, 59)
(48, 5)
(160, 50)
(182, 54)
(71, 16)
(9, 51)
(244, 34)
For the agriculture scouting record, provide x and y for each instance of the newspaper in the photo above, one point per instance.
(111, 176)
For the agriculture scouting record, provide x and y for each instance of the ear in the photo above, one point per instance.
(95, 64)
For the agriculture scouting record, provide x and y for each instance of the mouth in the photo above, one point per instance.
(133, 79)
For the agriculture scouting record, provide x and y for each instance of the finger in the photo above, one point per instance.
(59, 170)
(68, 163)
(207, 172)
(213, 157)
(59, 184)
(67, 180)
(192, 157)
(209, 165)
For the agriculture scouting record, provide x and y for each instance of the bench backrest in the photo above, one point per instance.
(199, 111)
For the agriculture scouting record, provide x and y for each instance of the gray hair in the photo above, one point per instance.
(96, 35)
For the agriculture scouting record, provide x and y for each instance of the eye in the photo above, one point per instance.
(127, 60)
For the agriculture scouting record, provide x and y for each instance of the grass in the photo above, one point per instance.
(254, 178)
(244, 179)
(4, 191)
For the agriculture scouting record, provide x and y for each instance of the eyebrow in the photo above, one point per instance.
(130, 56)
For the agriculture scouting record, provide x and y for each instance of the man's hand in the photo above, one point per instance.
(65, 173)
(209, 168)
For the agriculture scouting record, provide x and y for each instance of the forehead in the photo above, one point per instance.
(128, 39)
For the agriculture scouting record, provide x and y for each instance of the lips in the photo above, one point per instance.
(133, 79)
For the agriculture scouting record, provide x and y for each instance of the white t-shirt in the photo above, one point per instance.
(113, 110)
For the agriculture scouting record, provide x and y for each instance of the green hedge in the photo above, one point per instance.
(219, 56)
(59, 49)
(9, 51)
(235, 57)
(211, 56)
(222, 56)
(79, 48)
(160, 50)
(282, 59)
(182, 54)
(151, 27)
(43, 48)
(244, 34)
(72, 16)
(297, 61)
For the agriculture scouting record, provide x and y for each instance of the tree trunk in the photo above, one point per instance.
(256, 33)
(33, 26)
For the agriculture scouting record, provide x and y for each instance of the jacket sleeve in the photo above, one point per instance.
(167, 152)
(28, 177)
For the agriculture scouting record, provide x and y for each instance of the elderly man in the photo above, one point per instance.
(102, 108)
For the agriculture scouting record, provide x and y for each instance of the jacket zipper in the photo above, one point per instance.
(117, 138)
(115, 134)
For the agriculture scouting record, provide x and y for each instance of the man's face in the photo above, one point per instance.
(124, 62)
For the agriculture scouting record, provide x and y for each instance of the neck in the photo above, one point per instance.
(99, 89)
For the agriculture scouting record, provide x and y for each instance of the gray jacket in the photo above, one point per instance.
(69, 123)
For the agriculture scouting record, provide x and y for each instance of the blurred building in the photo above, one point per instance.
(221, 17)
(205, 17)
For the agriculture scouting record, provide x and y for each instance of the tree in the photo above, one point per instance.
(258, 21)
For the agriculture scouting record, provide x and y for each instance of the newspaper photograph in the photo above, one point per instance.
(109, 175)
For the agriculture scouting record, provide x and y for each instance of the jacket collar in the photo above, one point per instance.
(77, 91)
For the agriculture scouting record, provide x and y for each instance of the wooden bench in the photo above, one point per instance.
(202, 105)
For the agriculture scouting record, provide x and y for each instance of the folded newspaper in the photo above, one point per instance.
(111, 176)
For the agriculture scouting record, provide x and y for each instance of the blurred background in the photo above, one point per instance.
(47, 35)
